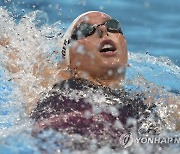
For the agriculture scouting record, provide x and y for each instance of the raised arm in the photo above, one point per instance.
(40, 77)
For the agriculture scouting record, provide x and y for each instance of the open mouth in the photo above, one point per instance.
(107, 46)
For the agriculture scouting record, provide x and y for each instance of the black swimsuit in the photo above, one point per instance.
(76, 106)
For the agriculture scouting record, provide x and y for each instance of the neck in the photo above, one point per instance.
(114, 81)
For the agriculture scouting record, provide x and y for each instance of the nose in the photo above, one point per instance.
(102, 31)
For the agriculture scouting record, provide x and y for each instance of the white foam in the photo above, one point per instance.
(33, 42)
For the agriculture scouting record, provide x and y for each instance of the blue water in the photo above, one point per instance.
(148, 25)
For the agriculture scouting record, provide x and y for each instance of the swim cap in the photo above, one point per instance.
(67, 35)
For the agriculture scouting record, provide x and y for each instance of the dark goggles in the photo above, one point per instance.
(86, 29)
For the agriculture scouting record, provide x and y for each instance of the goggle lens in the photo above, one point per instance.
(85, 29)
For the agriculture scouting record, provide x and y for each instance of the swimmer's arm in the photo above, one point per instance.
(50, 77)
(12, 66)
(47, 76)
(4, 42)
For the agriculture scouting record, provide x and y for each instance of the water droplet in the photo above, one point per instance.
(101, 7)
(7, 1)
(110, 72)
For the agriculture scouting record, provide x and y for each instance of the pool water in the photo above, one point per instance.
(152, 32)
(148, 25)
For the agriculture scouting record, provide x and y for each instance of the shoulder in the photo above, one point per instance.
(58, 99)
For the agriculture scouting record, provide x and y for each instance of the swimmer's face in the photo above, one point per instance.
(102, 53)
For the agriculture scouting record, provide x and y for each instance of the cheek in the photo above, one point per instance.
(90, 48)
(122, 47)
(121, 40)
(122, 44)
(81, 57)
(90, 45)
(125, 50)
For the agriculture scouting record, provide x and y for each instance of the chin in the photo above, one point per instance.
(111, 64)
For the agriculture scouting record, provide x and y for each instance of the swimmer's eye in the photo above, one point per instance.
(113, 26)
(86, 29)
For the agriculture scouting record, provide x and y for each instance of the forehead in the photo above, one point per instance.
(93, 18)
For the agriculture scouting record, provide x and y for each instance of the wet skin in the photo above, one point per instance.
(85, 55)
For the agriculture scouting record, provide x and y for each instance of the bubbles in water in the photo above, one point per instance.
(110, 73)
(36, 42)
(34, 50)
(37, 18)
(23, 10)
(147, 4)
(80, 49)
(101, 7)
(82, 2)
(7, 1)
(6, 31)
(50, 6)
(108, 1)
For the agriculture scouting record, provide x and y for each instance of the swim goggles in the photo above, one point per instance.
(86, 29)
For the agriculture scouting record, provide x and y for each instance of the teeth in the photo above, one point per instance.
(107, 46)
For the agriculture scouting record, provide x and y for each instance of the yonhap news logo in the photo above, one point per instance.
(127, 139)
(158, 140)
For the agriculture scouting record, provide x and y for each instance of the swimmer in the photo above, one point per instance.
(91, 101)
(98, 50)
(95, 62)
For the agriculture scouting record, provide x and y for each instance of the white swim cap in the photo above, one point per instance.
(67, 35)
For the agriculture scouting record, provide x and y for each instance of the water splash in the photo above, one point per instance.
(37, 44)
(27, 45)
